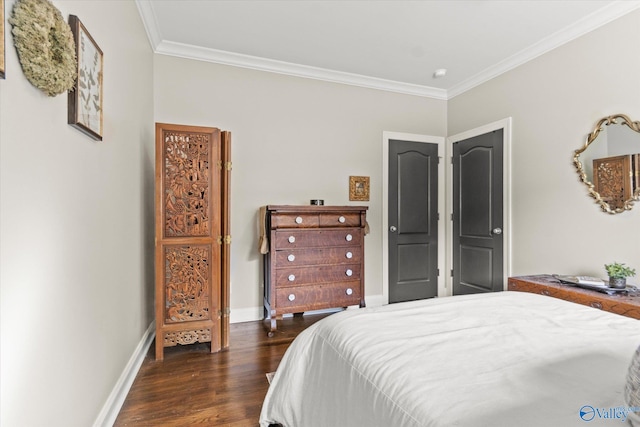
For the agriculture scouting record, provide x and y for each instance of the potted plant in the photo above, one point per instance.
(618, 274)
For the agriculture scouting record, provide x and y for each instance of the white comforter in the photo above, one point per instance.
(502, 359)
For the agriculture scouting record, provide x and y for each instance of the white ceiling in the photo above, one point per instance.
(390, 45)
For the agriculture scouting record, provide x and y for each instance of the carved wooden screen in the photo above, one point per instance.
(191, 265)
(612, 179)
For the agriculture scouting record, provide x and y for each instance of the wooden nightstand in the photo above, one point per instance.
(545, 284)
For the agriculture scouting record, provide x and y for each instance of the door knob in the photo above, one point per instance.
(393, 229)
(497, 230)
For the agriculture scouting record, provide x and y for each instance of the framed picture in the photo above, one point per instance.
(85, 100)
(1, 39)
(359, 188)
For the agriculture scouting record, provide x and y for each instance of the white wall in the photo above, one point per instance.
(555, 101)
(76, 221)
(294, 140)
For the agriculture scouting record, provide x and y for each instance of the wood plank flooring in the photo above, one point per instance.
(193, 386)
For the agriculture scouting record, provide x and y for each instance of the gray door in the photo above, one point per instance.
(413, 220)
(477, 214)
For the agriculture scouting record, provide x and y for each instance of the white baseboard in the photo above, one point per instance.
(112, 406)
(251, 314)
(239, 315)
(376, 300)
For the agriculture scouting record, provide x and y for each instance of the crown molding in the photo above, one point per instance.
(150, 22)
(585, 25)
(262, 64)
(580, 28)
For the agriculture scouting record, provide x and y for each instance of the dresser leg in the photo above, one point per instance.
(273, 328)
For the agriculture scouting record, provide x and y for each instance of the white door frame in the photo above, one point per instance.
(440, 141)
(506, 225)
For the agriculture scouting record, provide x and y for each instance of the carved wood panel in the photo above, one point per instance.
(186, 175)
(187, 283)
(184, 337)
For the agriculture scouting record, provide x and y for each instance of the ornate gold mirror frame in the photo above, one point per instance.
(620, 173)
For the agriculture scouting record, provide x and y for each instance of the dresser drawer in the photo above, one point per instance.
(318, 256)
(295, 220)
(340, 219)
(296, 276)
(291, 239)
(328, 295)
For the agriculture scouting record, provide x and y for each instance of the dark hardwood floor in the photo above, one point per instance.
(193, 386)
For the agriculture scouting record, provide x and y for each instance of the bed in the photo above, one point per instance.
(499, 359)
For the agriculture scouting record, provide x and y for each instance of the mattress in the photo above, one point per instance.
(498, 359)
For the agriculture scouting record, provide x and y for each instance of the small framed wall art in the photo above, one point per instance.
(359, 188)
(85, 101)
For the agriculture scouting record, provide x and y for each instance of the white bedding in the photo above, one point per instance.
(500, 359)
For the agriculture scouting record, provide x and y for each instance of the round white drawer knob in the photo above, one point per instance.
(341, 220)
(292, 277)
(349, 272)
(349, 291)
(292, 239)
(292, 297)
(349, 237)
(298, 220)
(291, 257)
(349, 255)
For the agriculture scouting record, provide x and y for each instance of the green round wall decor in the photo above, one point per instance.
(45, 45)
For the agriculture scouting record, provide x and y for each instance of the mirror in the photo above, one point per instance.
(609, 163)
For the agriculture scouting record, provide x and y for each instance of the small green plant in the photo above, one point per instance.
(619, 270)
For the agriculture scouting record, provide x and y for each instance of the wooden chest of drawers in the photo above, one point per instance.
(315, 259)
(624, 304)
